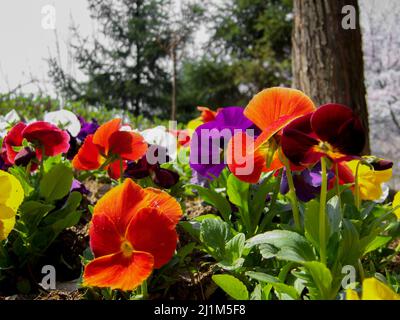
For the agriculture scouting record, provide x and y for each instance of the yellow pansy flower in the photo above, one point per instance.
(373, 289)
(370, 180)
(11, 197)
(193, 124)
(396, 202)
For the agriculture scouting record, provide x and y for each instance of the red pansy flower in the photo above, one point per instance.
(44, 136)
(110, 144)
(333, 130)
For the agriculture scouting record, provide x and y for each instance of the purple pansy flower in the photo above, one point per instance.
(307, 183)
(79, 187)
(142, 168)
(210, 139)
(76, 142)
(87, 128)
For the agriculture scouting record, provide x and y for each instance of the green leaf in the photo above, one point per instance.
(192, 228)
(65, 217)
(320, 282)
(349, 248)
(233, 253)
(55, 222)
(234, 247)
(371, 245)
(32, 212)
(284, 245)
(56, 183)
(334, 214)
(23, 178)
(281, 288)
(238, 192)
(214, 234)
(215, 199)
(50, 162)
(259, 198)
(311, 222)
(232, 286)
(262, 277)
(286, 292)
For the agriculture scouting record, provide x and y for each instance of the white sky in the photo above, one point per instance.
(25, 44)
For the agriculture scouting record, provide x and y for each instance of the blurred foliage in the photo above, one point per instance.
(30, 107)
(248, 50)
(127, 64)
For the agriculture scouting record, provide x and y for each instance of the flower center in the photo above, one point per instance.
(126, 248)
(326, 147)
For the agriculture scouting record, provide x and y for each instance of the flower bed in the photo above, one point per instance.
(273, 201)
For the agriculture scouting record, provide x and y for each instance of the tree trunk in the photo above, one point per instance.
(173, 100)
(327, 58)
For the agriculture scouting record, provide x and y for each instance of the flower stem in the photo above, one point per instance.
(271, 212)
(357, 188)
(143, 288)
(337, 186)
(292, 193)
(322, 213)
(121, 171)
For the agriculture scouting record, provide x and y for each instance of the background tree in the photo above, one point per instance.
(124, 64)
(327, 59)
(379, 21)
(249, 50)
(184, 18)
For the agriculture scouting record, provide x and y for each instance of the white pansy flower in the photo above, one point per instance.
(8, 120)
(161, 137)
(385, 193)
(65, 120)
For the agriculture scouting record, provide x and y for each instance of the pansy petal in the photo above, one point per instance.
(338, 125)
(127, 145)
(64, 119)
(88, 156)
(151, 231)
(103, 133)
(104, 236)
(11, 191)
(114, 169)
(45, 135)
(13, 139)
(232, 118)
(6, 226)
(299, 147)
(274, 108)
(119, 204)
(165, 178)
(166, 204)
(206, 114)
(396, 205)
(373, 289)
(116, 271)
(244, 161)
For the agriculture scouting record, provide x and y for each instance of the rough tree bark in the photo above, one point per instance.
(327, 59)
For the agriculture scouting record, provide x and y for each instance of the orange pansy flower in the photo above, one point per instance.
(132, 232)
(108, 143)
(207, 114)
(270, 110)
